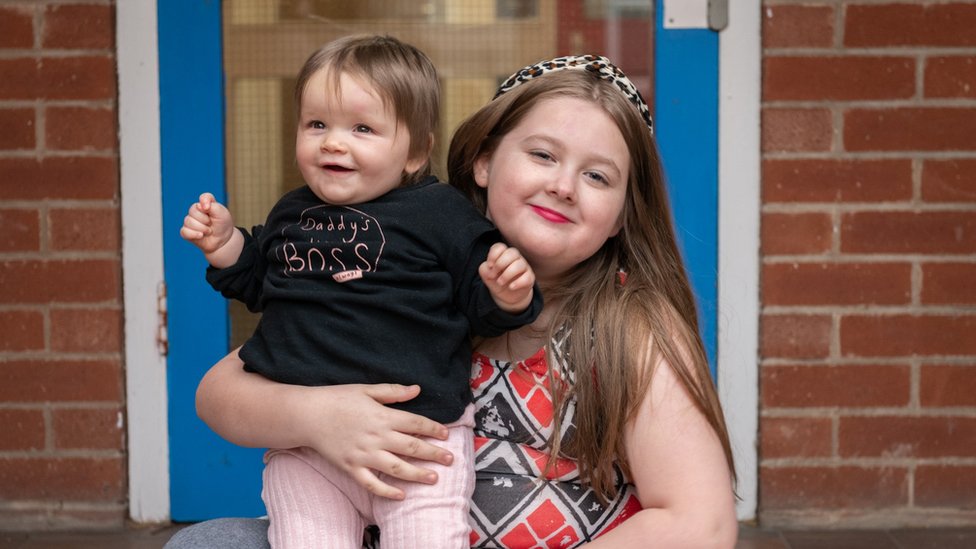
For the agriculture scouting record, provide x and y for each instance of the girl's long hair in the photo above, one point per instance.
(618, 332)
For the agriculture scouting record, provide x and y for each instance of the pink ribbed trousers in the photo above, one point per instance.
(313, 504)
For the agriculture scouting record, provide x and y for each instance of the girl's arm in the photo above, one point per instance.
(347, 424)
(682, 479)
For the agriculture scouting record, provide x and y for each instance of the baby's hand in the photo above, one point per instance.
(208, 224)
(509, 278)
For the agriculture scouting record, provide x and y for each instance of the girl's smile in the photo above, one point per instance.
(550, 215)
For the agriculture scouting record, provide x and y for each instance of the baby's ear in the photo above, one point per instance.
(420, 159)
(415, 164)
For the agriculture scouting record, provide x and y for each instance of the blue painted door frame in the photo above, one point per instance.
(212, 478)
(209, 477)
(686, 126)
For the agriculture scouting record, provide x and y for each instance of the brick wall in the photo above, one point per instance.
(62, 451)
(868, 337)
(868, 374)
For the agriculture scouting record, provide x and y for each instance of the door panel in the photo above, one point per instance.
(247, 55)
(686, 126)
(208, 476)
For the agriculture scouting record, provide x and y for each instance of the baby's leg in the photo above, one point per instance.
(433, 516)
(307, 506)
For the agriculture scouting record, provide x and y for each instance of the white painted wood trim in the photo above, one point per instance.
(740, 54)
(142, 258)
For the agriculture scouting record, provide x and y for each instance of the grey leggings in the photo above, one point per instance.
(223, 533)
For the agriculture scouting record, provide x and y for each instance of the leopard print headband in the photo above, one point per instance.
(595, 64)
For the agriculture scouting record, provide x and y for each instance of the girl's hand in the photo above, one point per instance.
(364, 438)
(347, 424)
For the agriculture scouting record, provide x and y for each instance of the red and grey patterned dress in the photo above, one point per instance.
(512, 507)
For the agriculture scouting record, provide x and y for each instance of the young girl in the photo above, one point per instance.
(369, 272)
(597, 425)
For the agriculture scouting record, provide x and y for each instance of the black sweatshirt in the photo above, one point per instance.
(382, 292)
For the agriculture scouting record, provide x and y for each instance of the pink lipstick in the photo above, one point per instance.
(550, 215)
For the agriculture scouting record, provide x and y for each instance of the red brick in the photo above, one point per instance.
(905, 232)
(806, 233)
(78, 128)
(86, 330)
(72, 479)
(949, 283)
(825, 180)
(907, 335)
(798, 26)
(60, 178)
(953, 76)
(72, 281)
(795, 336)
(22, 429)
(945, 385)
(836, 283)
(853, 386)
(786, 437)
(837, 78)
(85, 229)
(796, 129)
(91, 77)
(19, 78)
(60, 380)
(79, 26)
(911, 129)
(833, 487)
(16, 27)
(18, 129)
(20, 230)
(902, 437)
(21, 331)
(949, 180)
(906, 24)
(81, 428)
(945, 486)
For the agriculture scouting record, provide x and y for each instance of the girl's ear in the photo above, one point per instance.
(481, 165)
(618, 225)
